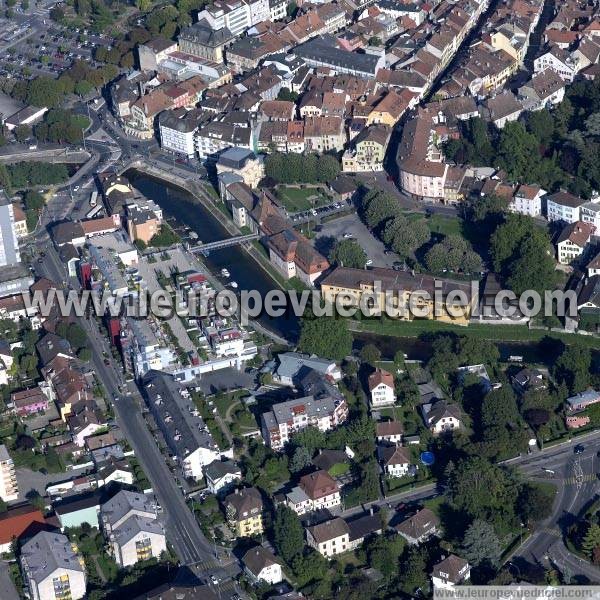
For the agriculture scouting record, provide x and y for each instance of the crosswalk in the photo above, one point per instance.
(583, 479)
(204, 565)
(553, 531)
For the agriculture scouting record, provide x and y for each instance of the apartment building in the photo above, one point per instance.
(243, 510)
(52, 568)
(235, 15)
(329, 538)
(130, 523)
(564, 206)
(9, 243)
(324, 410)
(182, 426)
(422, 171)
(214, 137)
(9, 488)
(527, 200)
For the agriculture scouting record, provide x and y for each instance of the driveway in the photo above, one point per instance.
(351, 224)
(34, 480)
(7, 589)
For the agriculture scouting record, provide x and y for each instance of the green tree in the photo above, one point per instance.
(573, 367)
(76, 336)
(481, 544)
(535, 502)
(301, 459)
(326, 337)
(288, 534)
(370, 354)
(591, 540)
(405, 236)
(378, 208)
(348, 253)
(413, 570)
(22, 132)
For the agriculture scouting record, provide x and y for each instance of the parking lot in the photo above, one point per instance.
(351, 225)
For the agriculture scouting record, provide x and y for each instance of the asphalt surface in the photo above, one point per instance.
(576, 480)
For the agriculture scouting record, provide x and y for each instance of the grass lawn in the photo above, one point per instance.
(444, 225)
(298, 199)
(339, 469)
(506, 333)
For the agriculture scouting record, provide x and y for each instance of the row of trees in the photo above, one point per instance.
(299, 168)
(61, 126)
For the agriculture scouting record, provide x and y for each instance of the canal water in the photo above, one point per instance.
(244, 270)
(178, 204)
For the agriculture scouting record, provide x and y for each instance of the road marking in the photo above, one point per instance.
(578, 480)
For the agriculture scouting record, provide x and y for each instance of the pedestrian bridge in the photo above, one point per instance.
(232, 241)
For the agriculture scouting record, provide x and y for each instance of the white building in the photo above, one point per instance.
(221, 476)
(329, 538)
(527, 200)
(451, 571)
(559, 61)
(52, 568)
(262, 565)
(9, 489)
(177, 129)
(235, 15)
(389, 431)
(572, 241)
(129, 520)
(395, 460)
(563, 206)
(590, 213)
(290, 364)
(381, 386)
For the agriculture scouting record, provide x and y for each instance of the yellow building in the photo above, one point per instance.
(411, 296)
(243, 510)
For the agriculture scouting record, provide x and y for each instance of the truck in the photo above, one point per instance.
(94, 199)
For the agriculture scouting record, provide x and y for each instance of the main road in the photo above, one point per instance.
(183, 531)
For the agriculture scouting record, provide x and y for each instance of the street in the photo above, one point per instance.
(575, 476)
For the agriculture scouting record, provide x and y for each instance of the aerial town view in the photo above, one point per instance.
(299, 299)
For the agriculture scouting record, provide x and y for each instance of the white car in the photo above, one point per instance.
(369, 262)
(348, 236)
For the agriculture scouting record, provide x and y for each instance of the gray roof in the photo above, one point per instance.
(185, 432)
(45, 553)
(123, 503)
(283, 412)
(291, 362)
(235, 157)
(202, 33)
(324, 49)
(220, 468)
(134, 525)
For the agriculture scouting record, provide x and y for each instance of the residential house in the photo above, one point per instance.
(503, 108)
(329, 538)
(20, 523)
(572, 241)
(527, 379)
(546, 88)
(420, 527)
(29, 401)
(52, 568)
(77, 509)
(394, 459)
(381, 387)
(582, 400)
(243, 510)
(322, 134)
(527, 200)
(322, 490)
(221, 476)
(560, 61)
(441, 417)
(261, 565)
(450, 571)
(364, 527)
(389, 431)
(291, 363)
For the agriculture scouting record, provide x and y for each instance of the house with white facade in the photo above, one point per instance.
(381, 387)
(221, 476)
(450, 571)
(389, 431)
(52, 568)
(329, 538)
(261, 565)
(560, 61)
(527, 200)
(564, 206)
(130, 523)
(395, 460)
(572, 241)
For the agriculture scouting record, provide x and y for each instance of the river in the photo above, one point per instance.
(248, 274)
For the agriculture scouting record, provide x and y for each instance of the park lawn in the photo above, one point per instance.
(505, 333)
(444, 225)
(300, 199)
